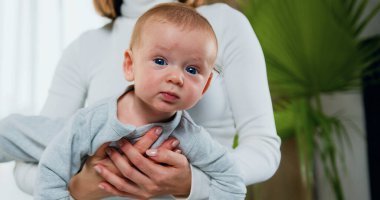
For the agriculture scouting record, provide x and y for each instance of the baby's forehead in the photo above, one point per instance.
(191, 45)
(176, 25)
(177, 15)
(198, 30)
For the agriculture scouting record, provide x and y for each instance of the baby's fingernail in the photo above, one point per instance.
(175, 143)
(97, 169)
(101, 186)
(158, 131)
(151, 152)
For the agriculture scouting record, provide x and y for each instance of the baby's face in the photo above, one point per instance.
(172, 66)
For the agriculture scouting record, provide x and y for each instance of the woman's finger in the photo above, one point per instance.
(120, 184)
(162, 178)
(177, 150)
(125, 167)
(142, 163)
(170, 144)
(112, 190)
(147, 140)
(172, 158)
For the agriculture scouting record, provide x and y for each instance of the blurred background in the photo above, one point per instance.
(323, 63)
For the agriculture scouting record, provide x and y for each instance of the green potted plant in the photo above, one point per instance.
(313, 48)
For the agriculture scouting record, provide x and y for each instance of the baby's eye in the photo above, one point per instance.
(160, 61)
(192, 70)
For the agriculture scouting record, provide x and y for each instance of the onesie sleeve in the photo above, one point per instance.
(213, 159)
(61, 160)
(18, 133)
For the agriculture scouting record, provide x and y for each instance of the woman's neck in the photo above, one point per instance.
(132, 110)
(135, 8)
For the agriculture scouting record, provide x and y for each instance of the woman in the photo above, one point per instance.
(238, 101)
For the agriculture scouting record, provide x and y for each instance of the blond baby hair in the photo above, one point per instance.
(178, 14)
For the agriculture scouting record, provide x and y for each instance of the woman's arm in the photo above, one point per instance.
(246, 86)
(67, 92)
(258, 152)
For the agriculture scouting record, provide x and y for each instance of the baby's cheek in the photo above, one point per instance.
(148, 83)
(193, 98)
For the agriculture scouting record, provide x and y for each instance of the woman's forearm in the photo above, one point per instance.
(200, 185)
(245, 78)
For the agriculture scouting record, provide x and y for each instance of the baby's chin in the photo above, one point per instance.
(165, 109)
(171, 109)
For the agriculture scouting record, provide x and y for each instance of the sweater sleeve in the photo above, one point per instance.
(199, 178)
(240, 55)
(75, 71)
(62, 159)
(258, 152)
(68, 88)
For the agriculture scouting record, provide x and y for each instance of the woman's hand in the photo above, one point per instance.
(84, 185)
(162, 172)
(87, 184)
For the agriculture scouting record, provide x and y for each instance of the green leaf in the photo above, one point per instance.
(313, 48)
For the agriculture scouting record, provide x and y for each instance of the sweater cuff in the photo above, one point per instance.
(25, 176)
(200, 185)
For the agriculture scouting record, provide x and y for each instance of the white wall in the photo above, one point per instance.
(354, 171)
(350, 105)
(33, 34)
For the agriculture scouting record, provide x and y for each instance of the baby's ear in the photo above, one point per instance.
(128, 66)
(207, 84)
